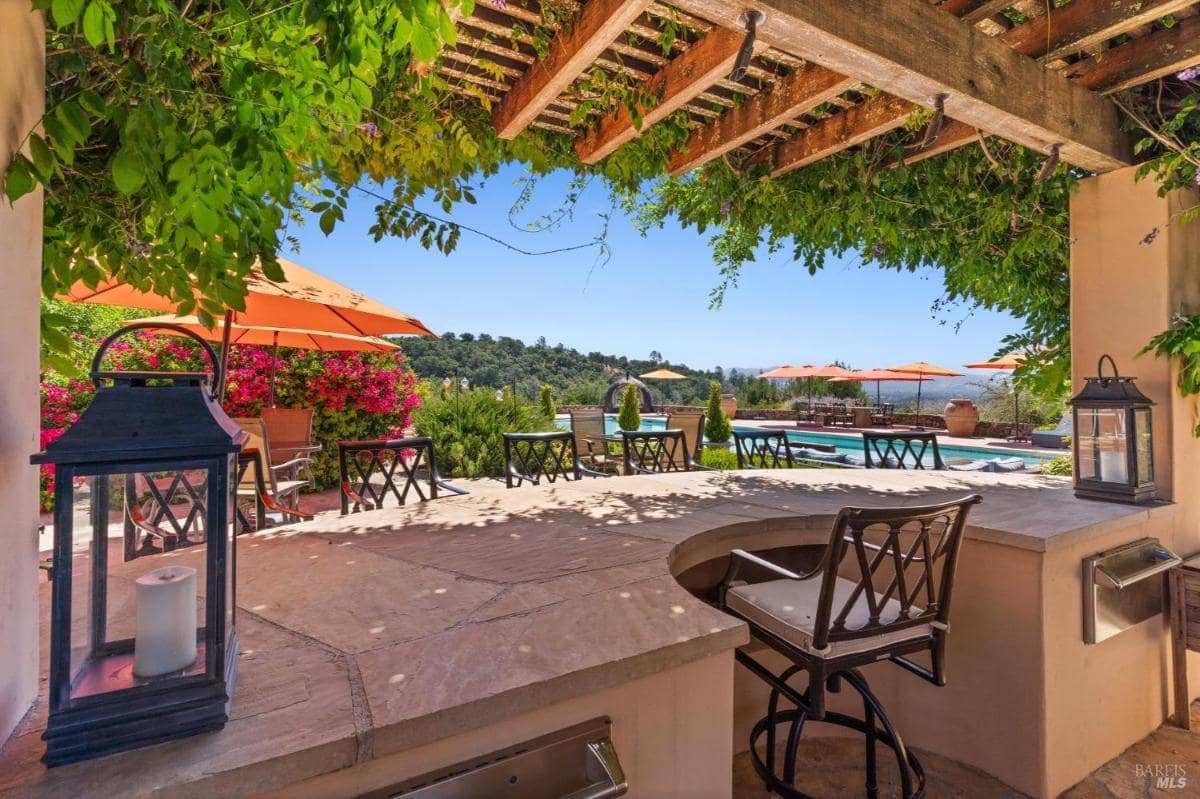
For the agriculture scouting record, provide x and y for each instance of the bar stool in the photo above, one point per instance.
(888, 600)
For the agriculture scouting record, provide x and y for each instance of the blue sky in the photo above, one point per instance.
(651, 295)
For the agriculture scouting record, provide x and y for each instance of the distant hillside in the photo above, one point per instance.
(575, 377)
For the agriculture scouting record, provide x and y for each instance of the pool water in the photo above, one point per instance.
(851, 444)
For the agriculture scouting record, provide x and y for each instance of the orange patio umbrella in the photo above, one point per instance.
(304, 301)
(807, 372)
(924, 369)
(276, 338)
(786, 372)
(663, 374)
(879, 376)
(1008, 363)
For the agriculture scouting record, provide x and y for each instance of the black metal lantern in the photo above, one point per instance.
(143, 642)
(1113, 439)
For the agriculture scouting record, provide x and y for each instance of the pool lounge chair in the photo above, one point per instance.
(1056, 438)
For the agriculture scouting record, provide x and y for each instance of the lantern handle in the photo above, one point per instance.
(1100, 368)
(178, 329)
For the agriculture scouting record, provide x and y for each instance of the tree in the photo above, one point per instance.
(628, 418)
(655, 357)
(547, 402)
(716, 427)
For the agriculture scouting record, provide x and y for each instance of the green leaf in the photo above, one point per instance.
(18, 178)
(93, 23)
(205, 218)
(93, 104)
(127, 171)
(43, 159)
(424, 46)
(273, 270)
(327, 221)
(65, 12)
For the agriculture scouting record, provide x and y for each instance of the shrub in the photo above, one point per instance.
(1059, 467)
(716, 428)
(467, 430)
(719, 458)
(547, 402)
(629, 418)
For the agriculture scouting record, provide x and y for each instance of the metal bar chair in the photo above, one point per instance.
(590, 444)
(372, 471)
(533, 457)
(880, 592)
(902, 451)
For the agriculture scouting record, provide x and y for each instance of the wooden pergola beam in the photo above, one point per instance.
(914, 50)
(792, 96)
(679, 82)
(572, 51)
(879, 115)
(1084, 24)
(1139, 61)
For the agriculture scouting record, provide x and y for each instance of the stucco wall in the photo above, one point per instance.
(1124, 290)
(22, 84)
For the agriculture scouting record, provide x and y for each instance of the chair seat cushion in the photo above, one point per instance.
(788, 609)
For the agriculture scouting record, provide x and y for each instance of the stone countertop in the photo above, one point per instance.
(369, 634)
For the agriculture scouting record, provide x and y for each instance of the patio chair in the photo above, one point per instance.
(881, 592)
(762, 449)
(884, 415)
(590, 446)
(265, 485)
(532, 457)
(901, 450)
(692, 425)
(293, 426)
(1056, 438)
(658, 451)
(372, 471)
(840, 415)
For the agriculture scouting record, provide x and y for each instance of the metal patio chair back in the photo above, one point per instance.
(692, 425)
(371, 472)
(655, 451)
(537, 457)
(588, 429)
(762, 449)
(902, 450)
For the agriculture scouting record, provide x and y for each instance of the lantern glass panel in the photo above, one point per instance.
(1102, 445)
(128, 526)
(1145, 448)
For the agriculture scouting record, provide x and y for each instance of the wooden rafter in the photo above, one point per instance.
(972, 11)
(1138, 61)
(954, 134)
(791, 97)
(913, 50)
(681, 80)
(572, 51)
(873, 118)
(1084, 24)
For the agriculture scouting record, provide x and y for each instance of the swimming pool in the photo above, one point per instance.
(851, 443)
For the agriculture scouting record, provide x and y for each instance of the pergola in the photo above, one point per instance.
(827, 76)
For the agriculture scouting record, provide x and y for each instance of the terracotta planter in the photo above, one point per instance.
(729, 405)
(961, 418)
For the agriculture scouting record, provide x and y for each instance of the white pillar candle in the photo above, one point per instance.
(1112, 467)
(166, 621)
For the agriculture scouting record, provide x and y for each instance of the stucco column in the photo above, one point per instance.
(22, 93)
(1133, 266)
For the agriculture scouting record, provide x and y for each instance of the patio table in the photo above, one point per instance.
(862, 415)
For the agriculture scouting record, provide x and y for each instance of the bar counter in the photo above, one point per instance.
(380, 645)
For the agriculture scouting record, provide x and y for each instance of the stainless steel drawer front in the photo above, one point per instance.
(1123, 587)
(575, 763)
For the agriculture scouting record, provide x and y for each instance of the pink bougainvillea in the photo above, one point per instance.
(354, 395)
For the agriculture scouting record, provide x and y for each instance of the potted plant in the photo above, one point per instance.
(548, 408)
(716, 427)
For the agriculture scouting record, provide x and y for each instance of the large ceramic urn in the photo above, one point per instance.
(729, 405)
(961, 418)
